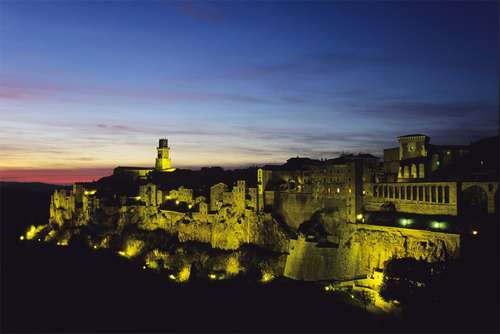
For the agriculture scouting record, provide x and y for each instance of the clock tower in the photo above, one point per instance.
(413, 146)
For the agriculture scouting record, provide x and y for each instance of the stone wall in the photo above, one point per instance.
(308, 262)
(364, 248)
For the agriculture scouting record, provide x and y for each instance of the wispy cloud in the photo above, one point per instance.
(203, 11)
(31, 90)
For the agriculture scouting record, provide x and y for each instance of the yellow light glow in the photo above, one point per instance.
(359, 216)
(63, 242)
(21, 237)
(267, 277)
(144, 267)
(95, 246)
(33, 231)
(475, 232)
(338, 190)
(171, 276)
(177, 202)
(212, 276)
(190, 206)
(233, 266)
(184, 274)
(90, 192)
(132, 248)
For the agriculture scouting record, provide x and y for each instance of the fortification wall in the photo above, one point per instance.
(308, 262)
(364, 248)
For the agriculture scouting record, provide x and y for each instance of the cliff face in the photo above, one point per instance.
(228, 230)
(364, 248)
(384, 243)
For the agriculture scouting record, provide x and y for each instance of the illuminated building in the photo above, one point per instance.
(162, 164)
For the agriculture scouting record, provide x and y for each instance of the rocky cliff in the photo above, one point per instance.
(361, 249)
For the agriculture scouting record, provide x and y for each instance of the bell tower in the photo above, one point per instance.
(163, 158)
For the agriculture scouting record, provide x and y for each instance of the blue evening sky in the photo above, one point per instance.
(91, 84)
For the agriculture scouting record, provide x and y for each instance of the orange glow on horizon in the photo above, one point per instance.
(54, 176)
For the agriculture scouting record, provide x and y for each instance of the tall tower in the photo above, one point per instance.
(163, 159)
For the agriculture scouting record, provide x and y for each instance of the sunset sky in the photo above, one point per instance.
(87, 86)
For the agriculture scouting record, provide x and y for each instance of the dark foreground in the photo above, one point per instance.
(47, 288)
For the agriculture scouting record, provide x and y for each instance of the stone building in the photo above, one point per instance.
(302, 187)
(416, 158)
(216, 195)
(451, 180)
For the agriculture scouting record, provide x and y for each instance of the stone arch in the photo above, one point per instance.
(406, 172)
(474, 201)
(413, 174)
(421, 170)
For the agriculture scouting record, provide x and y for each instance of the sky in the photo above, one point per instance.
(86, 86)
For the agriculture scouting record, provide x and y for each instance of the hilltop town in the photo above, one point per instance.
(337, 220)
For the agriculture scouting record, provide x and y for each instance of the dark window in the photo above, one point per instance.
(414, 195)
(374, 191)
(390, 192)
(408, 192)
(396, 192)
(447, 194)
(420, 193)
(433, 194)
(402, 192)
(426, 193)
(440, 194)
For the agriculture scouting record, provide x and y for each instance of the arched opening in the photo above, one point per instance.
(406, 172)
(421, 170)
(413, 171)
(474, 202)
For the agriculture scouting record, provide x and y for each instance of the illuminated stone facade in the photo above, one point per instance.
(361, 250)
(416, 159)
(73, 206)
(163, 163)
(336, 184)
(430, 198)
(427, 179)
